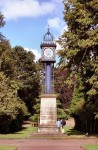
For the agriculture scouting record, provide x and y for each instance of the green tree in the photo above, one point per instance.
(35, 117)
(7, 64)
(61, 88)
(60, 111)
(2, 22)
(11, 108)
(27, 76)
(80, 55)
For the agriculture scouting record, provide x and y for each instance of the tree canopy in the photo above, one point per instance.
(79, 54)
(27, 76)
(19, 84)
(2, 22)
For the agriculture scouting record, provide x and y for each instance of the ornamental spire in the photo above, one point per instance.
(48, 36)
(48, 39)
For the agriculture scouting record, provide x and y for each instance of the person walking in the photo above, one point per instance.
(58, 123)
(63, 123)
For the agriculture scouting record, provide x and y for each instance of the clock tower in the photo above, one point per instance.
(48, 47)
(48, 111)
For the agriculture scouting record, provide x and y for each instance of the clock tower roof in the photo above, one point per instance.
(48, 40)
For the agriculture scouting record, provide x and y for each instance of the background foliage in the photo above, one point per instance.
(76, 77)
(79, 54)
(19, 85)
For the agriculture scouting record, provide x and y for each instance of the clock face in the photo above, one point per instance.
(48, 53)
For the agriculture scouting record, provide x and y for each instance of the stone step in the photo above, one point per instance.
(43, 135)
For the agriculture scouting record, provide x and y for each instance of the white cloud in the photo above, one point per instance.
(56, 23)
(59, 25)
(13, 9)
(58, 47)
(65, 28)
(35, 52)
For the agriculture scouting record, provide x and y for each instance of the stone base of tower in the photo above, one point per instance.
(48, 129)
(48, 114)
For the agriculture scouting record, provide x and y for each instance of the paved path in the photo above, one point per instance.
(49, 144)
(70, 122)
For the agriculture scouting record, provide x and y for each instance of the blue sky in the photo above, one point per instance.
(27, 21)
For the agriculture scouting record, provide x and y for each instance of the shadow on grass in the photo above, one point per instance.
(71, 131)
(17, 132)
(24, 133)
(25, 130)
(74, 132)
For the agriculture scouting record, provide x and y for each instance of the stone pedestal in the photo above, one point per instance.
(48, 114)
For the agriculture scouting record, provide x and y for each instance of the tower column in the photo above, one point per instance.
(48, 78)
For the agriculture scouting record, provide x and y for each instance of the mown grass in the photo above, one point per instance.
(24, 133)
(7, 148)
(28, 130)
(70, 131)
(90, 147)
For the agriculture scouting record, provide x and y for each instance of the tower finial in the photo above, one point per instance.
(48, 28)
(48, 36)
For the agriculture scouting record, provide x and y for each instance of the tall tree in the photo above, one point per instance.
(80, 42)
(26, 74)
(12, 110)
(6, 59)
(19, 84)
(80, 54)
(61, 87)
(2, 22)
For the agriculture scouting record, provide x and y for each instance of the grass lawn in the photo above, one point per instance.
(90, 147)
(7, 148)
(28, 130)
(24, 133)
(70, 131)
